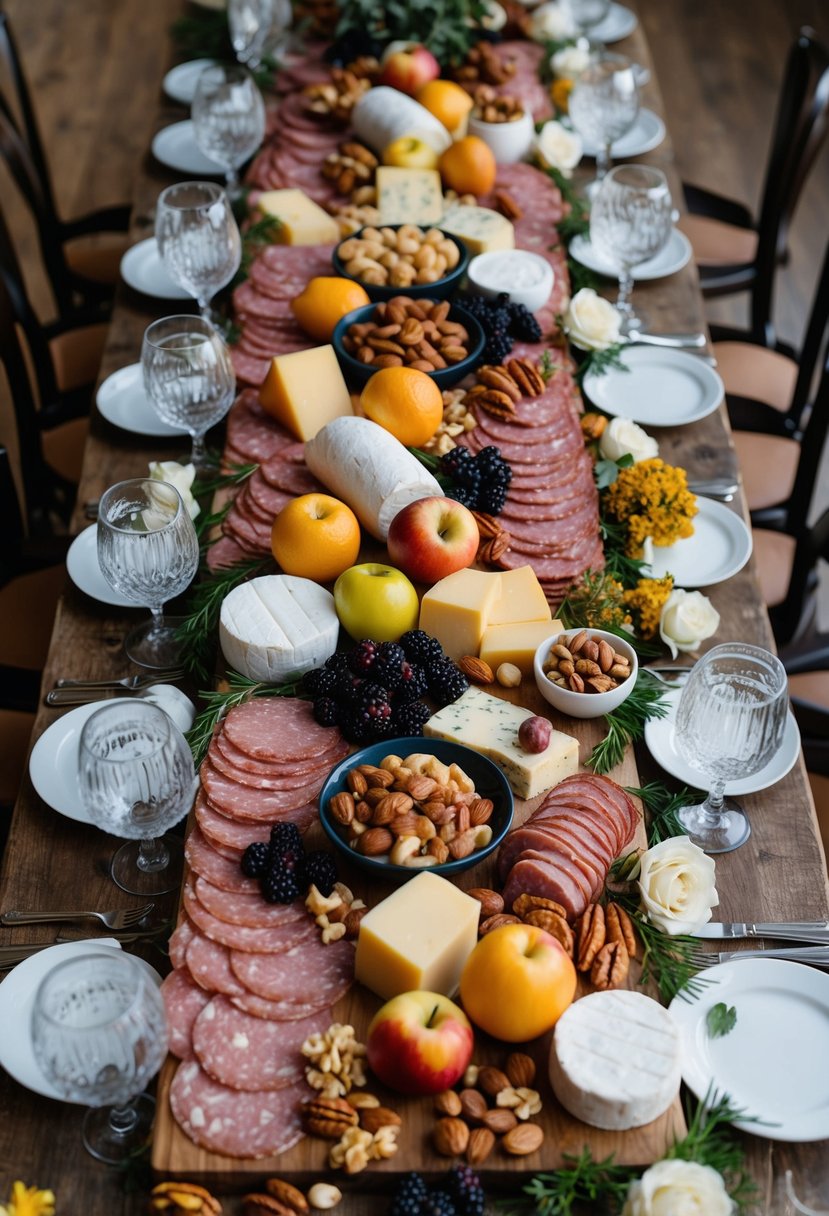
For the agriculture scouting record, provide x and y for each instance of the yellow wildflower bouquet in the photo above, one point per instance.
(651, 499)
(28, 1201)
(645, 602)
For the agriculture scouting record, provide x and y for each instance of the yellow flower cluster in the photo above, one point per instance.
(597, 602)
(28, 1201)
(651, 498)
(646, 601)
(560, 91)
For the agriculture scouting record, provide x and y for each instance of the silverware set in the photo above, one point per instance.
(815, 956)
(123, 923)
(78, 692)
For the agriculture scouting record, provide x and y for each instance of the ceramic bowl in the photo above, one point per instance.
(526, 276)
(357, 373)
(508, 141)
(435, 291)
(584, 704)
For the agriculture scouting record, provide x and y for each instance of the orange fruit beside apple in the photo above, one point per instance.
(324, 301)
(468, 166)
(405, 402)
(517, 982)
(446, 101)
(315, 536)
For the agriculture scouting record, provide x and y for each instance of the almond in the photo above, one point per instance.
(476, 669)
(357, 783)
(287, 1194)
(520, 1068)
(480, 811)
(491, 1080)
(341, 808)
(491, 902)
(372, 1118)
(500, 1121)
(450, 1137)
(421, 788)
(404, 825)
(473, 1105)
(375, 842)
(398, 803)
(524, 1139)
(448, 1103)
(480, 1145)
(606, 655)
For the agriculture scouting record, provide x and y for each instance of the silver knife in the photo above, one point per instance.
(815, 956)
(794, 931)
(680, 341)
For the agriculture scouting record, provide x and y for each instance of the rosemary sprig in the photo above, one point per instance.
(197, 631)
(600, 362)
(235, 475)
(218, 703)
(667, 960)
(627, 723)
(577, 220)
(710, 1141)
(208, 520)
(628, 570)
(580, 1181)
(662, 806)
(547, 366)
(256, 236)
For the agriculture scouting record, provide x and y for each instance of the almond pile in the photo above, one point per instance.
(493, 1106)
(581, 663)
(350, 167)
(397, 256)
(499, 389)
(417, 333)
(337, 98)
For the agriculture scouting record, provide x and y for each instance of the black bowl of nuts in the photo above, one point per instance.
(403, 259)
(400, 806)
(585, 672)
(432, 336)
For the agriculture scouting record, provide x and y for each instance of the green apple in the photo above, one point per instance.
(374, 601)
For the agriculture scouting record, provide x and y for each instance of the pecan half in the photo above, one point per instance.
(506, 204)
(527, 376)
(620, 928)
(498, 378)
(494, 402)
(488, 525)
(525, 903)
(291, 1196)
(553, 924)
(590, 936)
(495, 922)
(491, 550)
(610, 966)
(328, 1117)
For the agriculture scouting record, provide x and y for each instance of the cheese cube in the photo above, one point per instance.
(303, 222)
(480, 229)
(419, 937)
(409, 196)
(456, 610)
(305, 390)
(490, 726)
(516, 643)
(521, 599)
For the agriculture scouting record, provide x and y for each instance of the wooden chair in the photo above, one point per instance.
(808, 668)
(732, 251)
(787, 569)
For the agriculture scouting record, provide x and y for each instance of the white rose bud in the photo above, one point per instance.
(552, 23)
(181, 476)
(677, 886)
(592, 323)
(678, 1188)
(622, 437)
(688, 618)
(557, 148)
(570, 61)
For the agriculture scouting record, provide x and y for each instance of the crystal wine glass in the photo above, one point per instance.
(729, 724)
(136, 776)
(188, 376)
(228, 117)
(603, 106)
(99, 1034)
(258, 28)
(630, 221)
(198, 239)
(148, 550)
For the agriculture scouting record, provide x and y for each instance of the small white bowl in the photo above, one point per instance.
(584, 704)
(526, 276)
(508, 141)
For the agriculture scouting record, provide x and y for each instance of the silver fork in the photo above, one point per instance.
(817, 956)
(120, 918)
(131, 683)
(10, 956)
(78, 693)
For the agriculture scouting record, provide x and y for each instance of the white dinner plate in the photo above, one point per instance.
(647, 133)
(719, 547)
(85, 572)
(675, 255)
(772, 1064)
(180, 81)
(53, 764)
(121, 399)
(17, 997)
(618, 24)
(661, 387)
(659, 736)
(176, 148)
(143, 270)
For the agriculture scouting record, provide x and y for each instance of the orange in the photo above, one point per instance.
(324, 302)
(405, 402)
(448, 102)
(316, 536)
(468, 166)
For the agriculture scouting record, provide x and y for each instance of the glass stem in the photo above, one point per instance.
(710, 810)
(153, 855)
(603, 161)
(623, 304)
(204, 308)
(158, 621)
(122, 1119)
(232, 180)
(198, 451)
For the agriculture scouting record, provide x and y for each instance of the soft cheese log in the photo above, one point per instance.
(368, 468)
(383, 115)
(278, 626)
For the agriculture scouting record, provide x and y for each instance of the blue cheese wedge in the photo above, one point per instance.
(480, 229)
(278, 626)
(409, 196)
(615, 1060)
(490, 726)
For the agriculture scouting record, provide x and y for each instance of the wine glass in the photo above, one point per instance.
(136, 776)
(258, 28)
(228, 117)
(631, 219)
(188, 376)
(148, 550)
(99, 1034)
(729, 724)
(198, 239)
(603, 106)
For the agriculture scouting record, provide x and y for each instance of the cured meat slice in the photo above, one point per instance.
(220, 830)
(183, 1002)
(180, 939)
(225, 552)
(249, 1053)
(250, 910)
(538, 877)
(223, 872)
(247, 803)
(209, 964)
(277, 728)
(256, 1123)
(543, 836)
(270, 778)
(240, 937)
(310, 972)
(289, 773)
(275, 1011)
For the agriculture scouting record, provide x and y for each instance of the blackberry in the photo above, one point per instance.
(280, 886)
(347, 687)
(390, 654)
(337, 661)
(446, 681)
(411, 684)
(319, 682)
(368, 715)
(409, 719)
(363, 657)
(286, 836)
(409, 1196)
(454, 460)
(325, 711)
(491, 500)
(522, 324)
(321, 870)
(420, 647)
(388, 667)
(466, 1190)
(465, 496)
(439, 1203)
(255, 859)
(498, 346)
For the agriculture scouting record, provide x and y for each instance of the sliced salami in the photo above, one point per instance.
(310, 972)
(223, 872)
(220, 830)
(252, 1124)
(250, 910)
(183, 1002)
(180, 939)
(248, 1053)
(209, 964)
(248, 804)
(237, 937)
(275, 1011)
(277, 728)
(288, 773)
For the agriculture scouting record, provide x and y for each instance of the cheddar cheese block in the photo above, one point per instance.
(305, 390)
(302, 222)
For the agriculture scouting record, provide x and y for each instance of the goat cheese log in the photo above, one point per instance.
(369, 469)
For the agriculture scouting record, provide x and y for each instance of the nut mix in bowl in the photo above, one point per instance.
(503, 123)
(403, 259)
(445, 810)
(585, 672)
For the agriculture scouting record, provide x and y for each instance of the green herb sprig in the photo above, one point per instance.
(197, 632)
(577, 220)
(647, 700)
(667, 960)
(600, 362)
(617, 563)
(441, 25)
(606, 471)
(710, 1141)
(255, 238)
(580, 1181)
(662, 805)
(720, 1020)
(547, 366)
(217, 704)
(581, 276)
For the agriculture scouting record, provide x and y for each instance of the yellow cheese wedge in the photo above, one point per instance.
(516, 642)
(409, 196)
(305, 390)
(457, 610)
(302, 221)
(521, 599)
(419, 937)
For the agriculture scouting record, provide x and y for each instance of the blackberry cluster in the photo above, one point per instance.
(465, 1187)
(410, 1194)
(283, 868)
(460, 1194)
(420, 647)
(503, 323)
(321, 871)
(446, 681)
(522, 324)
(479, 482)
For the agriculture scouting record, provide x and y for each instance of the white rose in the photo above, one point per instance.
(688, 618)
(677, 885)
(181, 476)
(592, 322)
(551, 23)
(570, 61)
(678, 1188)
(622, 437)
(558, 148)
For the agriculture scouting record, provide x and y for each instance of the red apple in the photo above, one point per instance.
(408, 69)
(419, 1043)
(433, 537)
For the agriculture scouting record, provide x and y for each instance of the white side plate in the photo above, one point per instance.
(718, 549)
(53, 764)
(143, 270)
(85, 572)
(661, 387)
(180, 81)
(675, 255)
(176, 147)
(647, 133)
(619, 23)
(122, 401)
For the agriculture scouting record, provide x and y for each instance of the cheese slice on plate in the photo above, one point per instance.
(277, 626)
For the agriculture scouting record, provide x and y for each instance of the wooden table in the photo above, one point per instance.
(778, 874)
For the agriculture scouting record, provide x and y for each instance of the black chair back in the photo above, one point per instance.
(812, 544)
(12, 69)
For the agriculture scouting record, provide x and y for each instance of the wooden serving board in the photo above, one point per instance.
(174, 1154)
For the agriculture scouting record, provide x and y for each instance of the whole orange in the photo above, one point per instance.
(405, 402)
(324, 301)
(468, 166)
(448, 102)
(316, 536)
(517, 982)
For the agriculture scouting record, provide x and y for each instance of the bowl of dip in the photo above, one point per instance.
(525, 276)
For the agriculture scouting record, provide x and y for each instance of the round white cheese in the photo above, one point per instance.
(277, 626)
(614, 1060)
